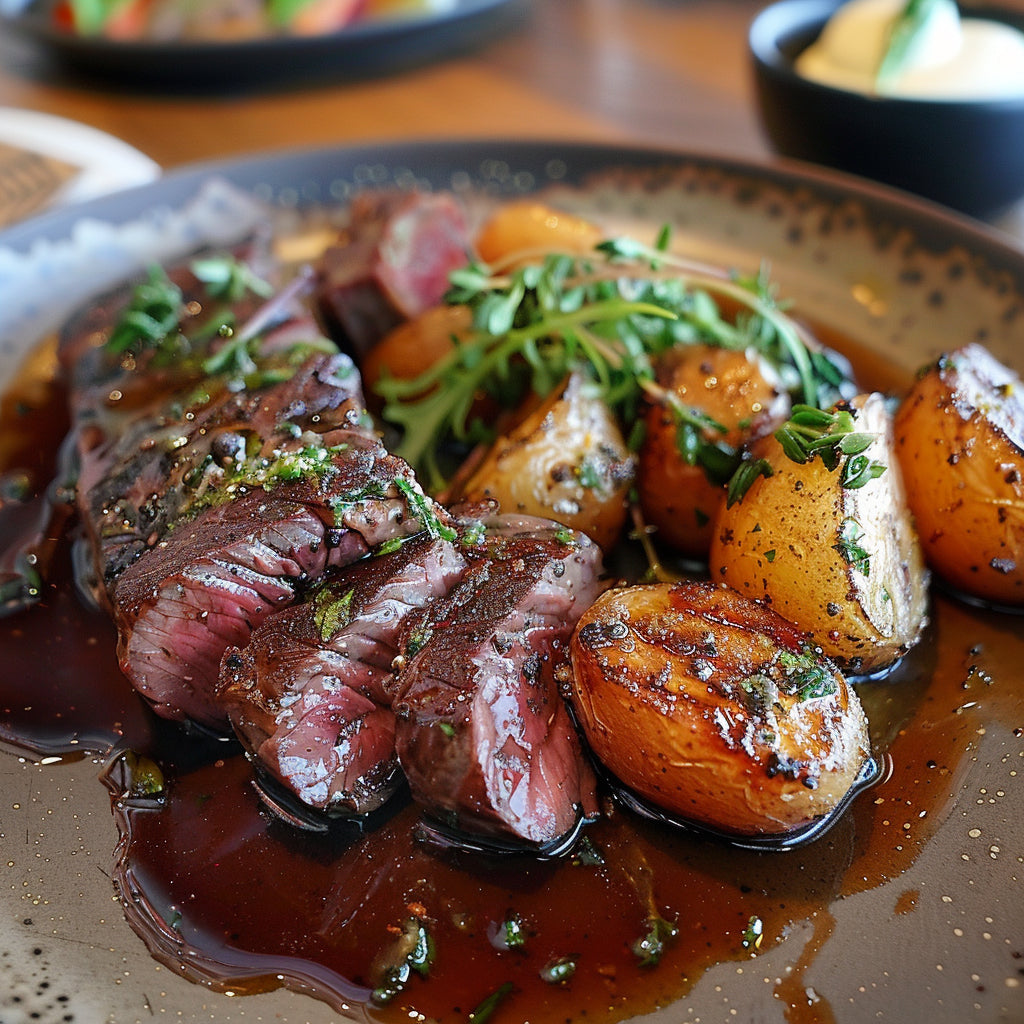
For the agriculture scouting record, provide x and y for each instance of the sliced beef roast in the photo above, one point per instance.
(308, 695)
(269, 565)
(214, 579)
(390, 264)
(482, 733)
(225, 462)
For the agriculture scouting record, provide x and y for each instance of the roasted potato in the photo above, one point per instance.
(960, 443)
(415, 345)
(566, 461)
(841, 562)
(715, 708)
(737, 390)
(530, 230)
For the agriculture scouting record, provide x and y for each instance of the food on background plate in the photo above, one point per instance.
(916, 49)
(225, 20)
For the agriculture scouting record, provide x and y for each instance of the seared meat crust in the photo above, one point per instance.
(483, 735)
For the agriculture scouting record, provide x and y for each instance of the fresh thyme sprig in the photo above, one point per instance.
(811, 433)
(830, 435)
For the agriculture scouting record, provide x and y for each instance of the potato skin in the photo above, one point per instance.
(791, 543)
(689, 694)
(960, 442)
(736, 389)
(528, 229)
(415, 345)
(565, 461)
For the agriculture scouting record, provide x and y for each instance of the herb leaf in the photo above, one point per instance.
(151, 316)
(649, 948)
(412, 951)
(903, 33)
(484, 1010)
(230, 279)
(848, 545)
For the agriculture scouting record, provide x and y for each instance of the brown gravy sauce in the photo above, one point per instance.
(227, 895)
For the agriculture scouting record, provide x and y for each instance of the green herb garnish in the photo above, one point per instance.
(753, 933)
(512, 931)
(423, 510)
(610, 313)
(562, 968)
(484, 1010)
(804, 676)
(213, 486)
(229, 279)
(848, 545)
(816, 433)
(799, 675)
(331, 612)
(151, 316)
(902, 36)
(649, 948)
(412, 952)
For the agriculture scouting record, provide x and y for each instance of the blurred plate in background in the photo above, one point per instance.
(363, 48)
(50, 161)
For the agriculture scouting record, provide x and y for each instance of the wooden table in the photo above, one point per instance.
(665, 71)
(669, 72)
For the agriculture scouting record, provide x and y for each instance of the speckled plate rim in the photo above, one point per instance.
(899, 273)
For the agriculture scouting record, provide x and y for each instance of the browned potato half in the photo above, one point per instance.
(843, 563)
(528, 229)
(960, 442)
(715, 708)
(737, 390)
(565, 461)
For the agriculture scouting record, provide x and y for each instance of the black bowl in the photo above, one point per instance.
(967, 154)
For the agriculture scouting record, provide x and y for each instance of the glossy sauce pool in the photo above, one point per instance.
(225, 894)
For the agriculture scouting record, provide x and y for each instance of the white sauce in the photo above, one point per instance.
(951, 58)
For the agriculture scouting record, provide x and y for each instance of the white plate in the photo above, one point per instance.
(107, 164)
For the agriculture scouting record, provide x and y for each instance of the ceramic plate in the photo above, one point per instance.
(106, 163)
(365, 48)
(910, 909)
